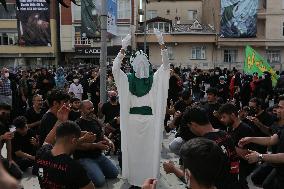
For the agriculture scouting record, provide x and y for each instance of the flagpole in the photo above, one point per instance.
(145, 13)
(103, 55)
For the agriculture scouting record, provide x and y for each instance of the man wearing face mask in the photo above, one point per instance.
(261, 121)
(109, 110)
(5, 87)
(76, 88)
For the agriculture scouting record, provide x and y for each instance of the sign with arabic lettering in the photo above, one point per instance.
(254, 62)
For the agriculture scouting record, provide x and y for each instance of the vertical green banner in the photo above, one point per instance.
(254, 62)
(90, 18)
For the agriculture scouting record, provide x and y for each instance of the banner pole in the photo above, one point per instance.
(103, 55)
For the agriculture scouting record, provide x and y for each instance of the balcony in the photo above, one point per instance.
(82, 41)
(168, 28)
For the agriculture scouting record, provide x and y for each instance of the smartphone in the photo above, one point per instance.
(12, 129)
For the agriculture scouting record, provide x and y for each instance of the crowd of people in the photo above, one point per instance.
(223, 133)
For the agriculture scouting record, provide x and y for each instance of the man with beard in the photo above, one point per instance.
(109, 111)
(34, 114)
(238, 130)
(36, 31)
(91, 156)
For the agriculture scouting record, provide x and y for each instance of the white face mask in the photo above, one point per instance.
(76, 80)
(6, 75)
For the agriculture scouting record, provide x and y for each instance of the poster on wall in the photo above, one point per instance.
(238, 18)
(90, 18)
(112, 17)
(34, 23)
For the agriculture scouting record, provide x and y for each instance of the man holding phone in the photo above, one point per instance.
(5, 138)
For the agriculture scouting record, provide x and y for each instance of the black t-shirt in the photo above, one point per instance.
(91, 126)
(228, 176)
(22, 143)
(243, 130)
(266, 119)
(32, 116)
(210, 108)
(110, 111)
(47, 122)
(74, 115)
(59, 172)
(280, 167)
(180, 106)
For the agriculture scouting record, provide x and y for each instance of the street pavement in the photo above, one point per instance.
(167, 181)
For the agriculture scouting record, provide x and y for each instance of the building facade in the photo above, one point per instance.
(193, 39)
(14, 55)
(78, 49)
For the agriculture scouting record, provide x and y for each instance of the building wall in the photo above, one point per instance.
(182, 55)
(176, 9)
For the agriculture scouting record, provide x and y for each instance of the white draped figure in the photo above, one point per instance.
(142, 96)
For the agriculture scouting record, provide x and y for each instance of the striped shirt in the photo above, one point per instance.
(5, 88)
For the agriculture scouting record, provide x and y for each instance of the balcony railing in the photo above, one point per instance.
(81, 41)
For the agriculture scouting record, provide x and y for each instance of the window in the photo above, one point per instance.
(230, 55)
(170, 53)
(151, 14)
(10, 14)
(162, 26)
(273, 56)
(192, 14)
(8, 38)
(123, 9)
(198, 53)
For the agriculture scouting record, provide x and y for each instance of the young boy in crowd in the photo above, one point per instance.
(74, 113)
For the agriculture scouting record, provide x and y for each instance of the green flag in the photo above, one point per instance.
(254, 62)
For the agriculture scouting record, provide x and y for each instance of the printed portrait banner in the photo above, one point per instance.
(254, 62)
(90, 18)
(34, 23)
(238, 18)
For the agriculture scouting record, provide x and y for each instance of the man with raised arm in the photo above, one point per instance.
(142, 96)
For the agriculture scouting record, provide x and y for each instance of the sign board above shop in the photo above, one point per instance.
(95, 51)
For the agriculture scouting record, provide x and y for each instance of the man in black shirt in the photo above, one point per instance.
(5, 138)
(109, 111)
(24, 144)
(90, 155)
(261, 121)
(277, 175)
(56, 100)
(74, 113)
(198, 122)
(34, 114)
(212, 106)
(56, 169)
(238, 130)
